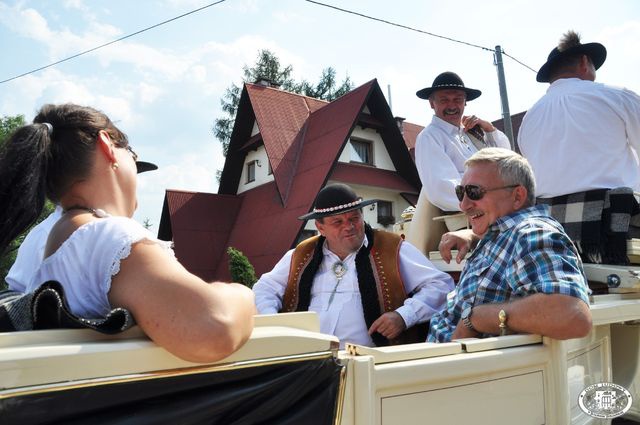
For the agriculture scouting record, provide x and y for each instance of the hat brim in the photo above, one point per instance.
(315, 215)
(427, 91)
(143, 166)
(596, 51)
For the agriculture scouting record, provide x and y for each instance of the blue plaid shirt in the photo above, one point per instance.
(523, 253)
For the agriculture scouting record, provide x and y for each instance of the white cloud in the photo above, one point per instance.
(80, 6)
(287, 17)
(148, 93)
(623, 57)
(25, 22)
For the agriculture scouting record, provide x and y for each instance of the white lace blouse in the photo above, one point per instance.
(85, 263)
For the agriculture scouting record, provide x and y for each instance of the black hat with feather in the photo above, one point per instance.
(570, 45)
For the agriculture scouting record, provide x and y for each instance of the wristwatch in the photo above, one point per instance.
(466, 317)
(502, 318)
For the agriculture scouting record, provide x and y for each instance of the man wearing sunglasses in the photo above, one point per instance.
(450, 138)
(524, 274)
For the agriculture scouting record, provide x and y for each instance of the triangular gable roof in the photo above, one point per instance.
(280, 117)
(327, 132)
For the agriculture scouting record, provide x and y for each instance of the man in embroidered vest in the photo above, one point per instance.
(524, 274)
(367, 286)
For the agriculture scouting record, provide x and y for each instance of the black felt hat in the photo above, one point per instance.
(335, 199)
(143, 166)
(447, 81)
(570, 45)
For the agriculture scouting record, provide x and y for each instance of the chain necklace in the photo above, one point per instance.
(339, 269)
(97, 212)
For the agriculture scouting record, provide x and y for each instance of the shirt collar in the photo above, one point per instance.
(509, 221)
(561, 82)
(444, 125)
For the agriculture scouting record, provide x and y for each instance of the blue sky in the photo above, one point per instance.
(163, 87)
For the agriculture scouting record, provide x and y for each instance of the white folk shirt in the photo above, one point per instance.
(344, 316)
(31, 253)
(441, 151)
(582, 135)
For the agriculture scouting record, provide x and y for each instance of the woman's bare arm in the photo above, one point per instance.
(192, 319)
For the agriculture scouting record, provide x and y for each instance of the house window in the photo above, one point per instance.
(385, 213)
(362, 151)
(251, 171)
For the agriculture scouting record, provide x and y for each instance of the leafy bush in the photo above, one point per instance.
(240, 268)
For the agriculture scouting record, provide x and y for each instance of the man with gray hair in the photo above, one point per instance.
(524, 274)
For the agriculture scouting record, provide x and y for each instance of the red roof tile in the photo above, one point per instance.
(370, 176)
(280, 117)
(200, 227)
(410, 133)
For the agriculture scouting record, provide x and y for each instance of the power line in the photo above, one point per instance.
(362, 15)
(523, 64)
(113, 41)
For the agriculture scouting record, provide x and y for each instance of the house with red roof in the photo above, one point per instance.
(284, 148)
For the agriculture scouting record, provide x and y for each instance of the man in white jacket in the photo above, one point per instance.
(582, 140)
(581, 135)
(450, 139)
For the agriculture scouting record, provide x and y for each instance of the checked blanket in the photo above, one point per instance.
(597, 221)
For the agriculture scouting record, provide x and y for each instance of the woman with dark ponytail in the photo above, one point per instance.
(77, 158)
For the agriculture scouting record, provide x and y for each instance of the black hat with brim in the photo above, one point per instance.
(143, 166)
(335, 199)
(448, 81)
(596, 52)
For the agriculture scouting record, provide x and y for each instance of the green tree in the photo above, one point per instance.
(7, 125)
(147, 223)
(240, 268)
(268, 66)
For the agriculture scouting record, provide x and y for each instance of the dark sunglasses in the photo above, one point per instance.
(475, 192)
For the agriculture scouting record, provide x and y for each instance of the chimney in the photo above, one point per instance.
(265, 82)
(400, 124)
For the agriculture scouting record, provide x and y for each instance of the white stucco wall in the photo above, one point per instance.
(262, 176)
(255, 129)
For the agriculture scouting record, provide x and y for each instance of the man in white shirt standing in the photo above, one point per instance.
(581, 136)
(367, 286)
(450, 139)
